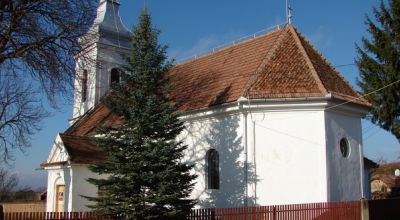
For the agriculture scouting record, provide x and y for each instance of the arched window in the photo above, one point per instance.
(84, 85)
(115, 76)
(212, 169)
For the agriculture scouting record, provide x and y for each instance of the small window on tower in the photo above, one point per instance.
(115, 76)
(84, 85)
(344, 147)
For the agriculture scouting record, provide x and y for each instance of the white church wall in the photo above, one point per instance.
(81, 187)
(344, 173)
(75, 180)
(287, 156)
(58, 175)
(224, 134)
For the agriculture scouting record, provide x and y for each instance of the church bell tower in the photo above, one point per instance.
(112, 42)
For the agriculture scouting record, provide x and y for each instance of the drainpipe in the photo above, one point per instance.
(362, 172)
(254, 162)
(361, 164)
(245, 167)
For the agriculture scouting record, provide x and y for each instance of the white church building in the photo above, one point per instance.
(268, 121)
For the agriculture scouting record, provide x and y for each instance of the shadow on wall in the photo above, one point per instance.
(225, 136)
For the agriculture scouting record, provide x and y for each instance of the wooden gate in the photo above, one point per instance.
(384, 209)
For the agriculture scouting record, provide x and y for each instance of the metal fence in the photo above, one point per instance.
(370, 210)
(51, 216)
(317, 211)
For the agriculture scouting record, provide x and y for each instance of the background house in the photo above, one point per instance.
(384, 183)
(369, 167)
(268, 121)
(24, 200)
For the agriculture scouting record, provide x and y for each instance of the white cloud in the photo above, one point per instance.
(205, 45)
(321, 38)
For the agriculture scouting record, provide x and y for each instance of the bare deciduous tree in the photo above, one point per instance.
(39, 43)
(20, 116)
(42, 38)
(8, 183)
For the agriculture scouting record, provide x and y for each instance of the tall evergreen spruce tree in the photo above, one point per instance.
(379, 66)
(146, 178)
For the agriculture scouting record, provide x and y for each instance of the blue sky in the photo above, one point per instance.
(194, 27)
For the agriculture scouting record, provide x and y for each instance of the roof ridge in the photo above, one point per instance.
(234, 44)
(330, 66)
(74, 135)
(296, 36)
(86, 116)
(269, 54)
(83, 117)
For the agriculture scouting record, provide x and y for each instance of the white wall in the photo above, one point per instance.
(290, 155)
(288, 148)
(344, 174)
(81, 187)
(58, 175)
(74, 178)
(286, 157)
(223, 133)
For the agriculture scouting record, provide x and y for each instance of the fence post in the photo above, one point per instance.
(364, 209)
(212, 214)
(274, 212)
(1, 213)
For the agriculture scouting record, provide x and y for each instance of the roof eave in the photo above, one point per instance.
(53, 164)
(336, 102)
(306, 98)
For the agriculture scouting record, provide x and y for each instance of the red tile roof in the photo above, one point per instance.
(99, 116)
(82, 150)
(331, 79)
(287, 72)
(280, 64)
(220, 77)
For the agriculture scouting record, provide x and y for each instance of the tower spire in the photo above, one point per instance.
(288, 13)
(112, 41)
